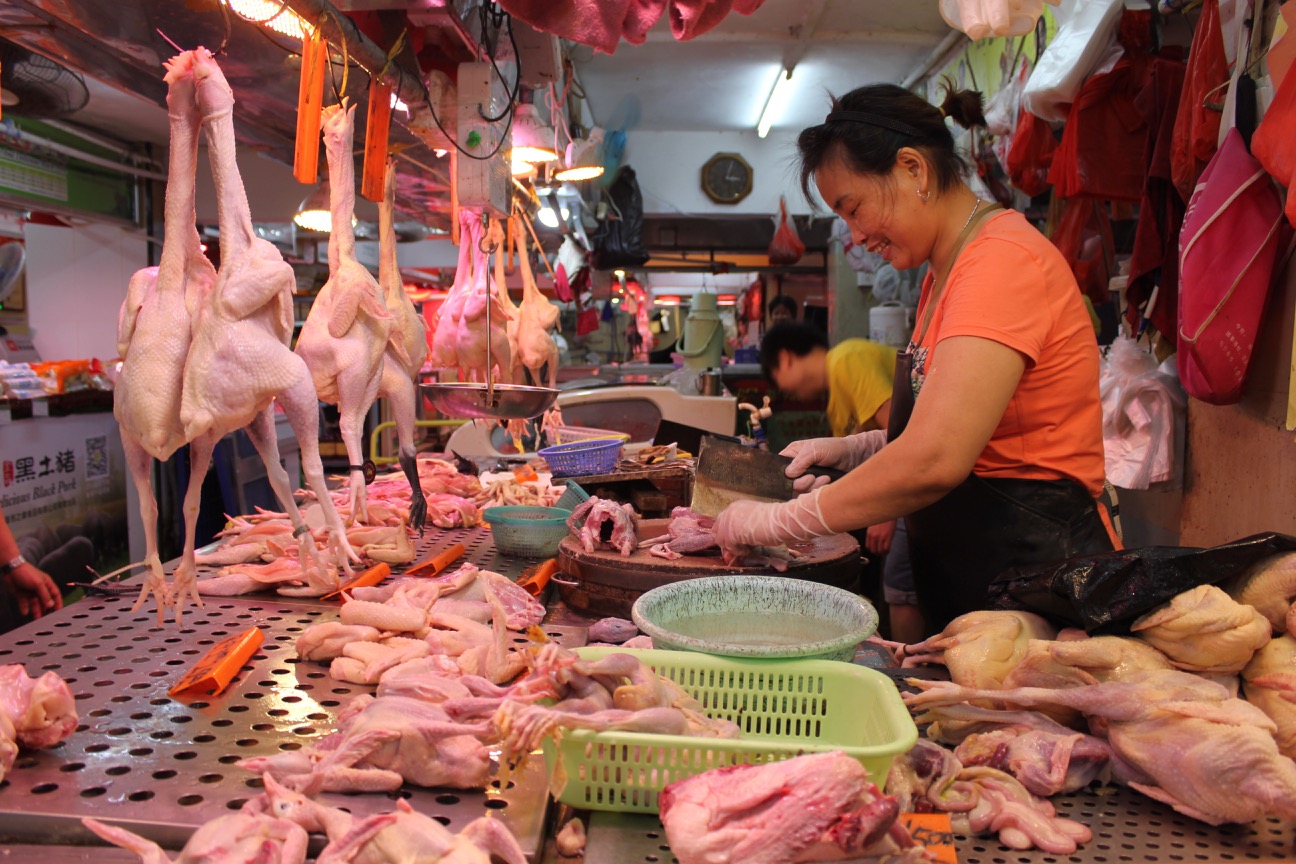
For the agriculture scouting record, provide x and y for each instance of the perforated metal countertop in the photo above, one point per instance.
(163, 766)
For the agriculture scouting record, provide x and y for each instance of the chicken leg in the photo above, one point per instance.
(240, 362)
(407, 349)
(154, 326)
(346, 333)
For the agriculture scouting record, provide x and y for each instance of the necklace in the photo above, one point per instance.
(938, 279)
(975, 208)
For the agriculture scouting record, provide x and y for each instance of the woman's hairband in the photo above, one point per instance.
(872, 120)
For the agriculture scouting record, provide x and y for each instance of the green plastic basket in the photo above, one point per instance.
(784, 707)
(573, 497)
(527, 532)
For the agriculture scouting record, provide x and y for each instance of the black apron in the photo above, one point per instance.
(985, 526)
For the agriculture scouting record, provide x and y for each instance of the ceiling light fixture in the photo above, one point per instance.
(549, 219)
(273, 14)
(776, 102)
(582, 162)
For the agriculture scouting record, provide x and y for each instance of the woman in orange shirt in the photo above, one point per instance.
(994, 448)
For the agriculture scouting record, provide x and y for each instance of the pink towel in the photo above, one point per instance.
(691, 18)
(603, 23)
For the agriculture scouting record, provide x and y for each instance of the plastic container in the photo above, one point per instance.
(572, 498)
(756, 616)
(572, 434)
(784, 707)
(583, 458)
(527, 532)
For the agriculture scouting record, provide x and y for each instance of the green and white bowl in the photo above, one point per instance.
(756, 616)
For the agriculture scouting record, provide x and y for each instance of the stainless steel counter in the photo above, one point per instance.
(162, 766)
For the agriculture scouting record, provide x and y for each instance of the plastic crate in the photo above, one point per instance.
(527, 532)
(784, 707)
(573, 434)
(573, 497)
(583, 458)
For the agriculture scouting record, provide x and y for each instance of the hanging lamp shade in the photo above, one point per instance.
(532, 140)
(313, 213)
(582, 162)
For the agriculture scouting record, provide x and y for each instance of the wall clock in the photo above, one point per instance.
(727, 178)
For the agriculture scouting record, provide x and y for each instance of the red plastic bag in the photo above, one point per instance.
(1031, 154)
(786, 248)
(1196, 129)
(1273, 143)
(1084, 237)
(1101, 154)
(1231, 244)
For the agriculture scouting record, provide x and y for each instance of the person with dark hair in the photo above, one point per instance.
(782, 308)
(855, 375)
(993, 450)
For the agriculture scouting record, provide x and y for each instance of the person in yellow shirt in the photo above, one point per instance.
(856, 374)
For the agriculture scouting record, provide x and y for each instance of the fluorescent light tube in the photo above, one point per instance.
(775, 103)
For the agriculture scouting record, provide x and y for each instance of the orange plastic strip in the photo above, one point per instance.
(310, 102)
(933, 831)
(434, 565)
(374, 173)
(368, 578)
(217, 669)
(534, 579)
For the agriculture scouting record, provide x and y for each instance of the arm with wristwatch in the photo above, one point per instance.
(32, 588)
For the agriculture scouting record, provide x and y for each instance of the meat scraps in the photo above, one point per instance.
(602, 523)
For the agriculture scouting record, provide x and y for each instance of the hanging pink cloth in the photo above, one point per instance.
(603, 23)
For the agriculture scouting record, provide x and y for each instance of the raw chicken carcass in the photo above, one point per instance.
(155, 323)
(236, 838)
(1270, 587)
(1175, 737)
(599, 522)
(382, 743)
(808, 808)
(1205, 630)
(1269, 682)
(1103, 658)
(407, 349)
(537, 319)
(34, 712)
(407, 836)
(444, 350)
(240, 363)
(473, 334)
(980, 649)
(1046, 763)
(346, 333)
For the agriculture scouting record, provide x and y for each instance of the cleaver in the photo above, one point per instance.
(727, 472)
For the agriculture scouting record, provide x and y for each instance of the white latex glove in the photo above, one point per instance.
(744, 524)
(841, 453)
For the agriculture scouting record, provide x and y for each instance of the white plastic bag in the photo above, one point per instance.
(1084, 42)
(1143, 417)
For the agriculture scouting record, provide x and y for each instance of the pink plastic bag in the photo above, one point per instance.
(1232, 239)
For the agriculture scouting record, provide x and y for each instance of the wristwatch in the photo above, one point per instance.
(12, 565)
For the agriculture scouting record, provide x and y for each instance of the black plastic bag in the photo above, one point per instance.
(618, 243)
(1104, 593)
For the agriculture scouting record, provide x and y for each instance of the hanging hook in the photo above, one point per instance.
(485, 244)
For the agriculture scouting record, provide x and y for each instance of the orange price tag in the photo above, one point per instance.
(933, 831)
(217, 669)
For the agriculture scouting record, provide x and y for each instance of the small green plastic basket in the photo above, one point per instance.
(573, 497)
(784, 708)
(527, 532)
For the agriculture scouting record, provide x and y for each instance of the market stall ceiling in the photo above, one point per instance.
(720, 81)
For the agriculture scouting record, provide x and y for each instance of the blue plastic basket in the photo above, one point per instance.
(573, 497)
(527, 532)
(583, 458)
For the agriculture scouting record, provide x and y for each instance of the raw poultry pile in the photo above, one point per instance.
(34, 712)
(1033, 712)
(504, 488)
(274, 826)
